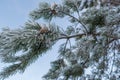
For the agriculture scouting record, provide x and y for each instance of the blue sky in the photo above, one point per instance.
(13, 14)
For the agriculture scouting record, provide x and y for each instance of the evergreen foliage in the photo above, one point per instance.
(95, 28)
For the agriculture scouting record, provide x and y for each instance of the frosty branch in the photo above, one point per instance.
(84, 34)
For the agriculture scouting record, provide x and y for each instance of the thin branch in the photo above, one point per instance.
(113, 2)
(77, 9)
(112, 63)
(76, 20)
(87, 60)
(110, 41)
(70, 44)
(111, 36)
(80, 35)
(66, 44)
(72, 36)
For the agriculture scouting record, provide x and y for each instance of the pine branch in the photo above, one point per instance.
(10, 70)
